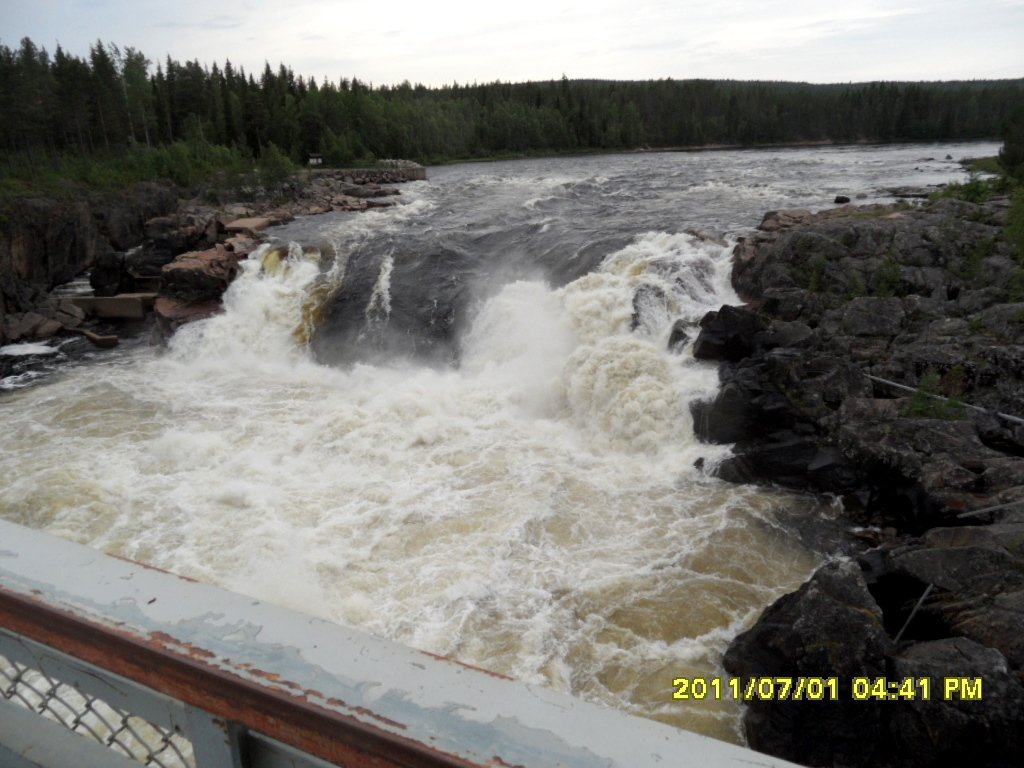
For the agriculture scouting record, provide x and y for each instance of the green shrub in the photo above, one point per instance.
(983, 165)
(977, 190)
(855, 287)
(887, 278)
(1015, 287)
(1011, 156)
(816, 279)
(274, 167)
(969, 268)
(927, 401)
(1014, 231)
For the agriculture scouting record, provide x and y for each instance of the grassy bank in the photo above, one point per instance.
(195, 168)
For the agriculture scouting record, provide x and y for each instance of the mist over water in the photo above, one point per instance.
(457, 424)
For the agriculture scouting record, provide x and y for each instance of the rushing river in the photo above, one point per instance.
(456, 423)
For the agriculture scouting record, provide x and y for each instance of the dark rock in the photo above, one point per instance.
(357, 327)
(679, 336)
(1005, 321)
(145, 263)
(957, 569)
(786, 460)
(957, 731)
(746, 404)
(999, 435)
(727, 334)
(922, 193)
(46, 242)
(830, 627)
(930, 287)
(785, 334)
(841, 199)
(369, 191)
(108, 277)
(873, 316)
(64, 312)
(943, 458)
(168, 236)
(121, 219)
(794, 304)
(650, 310)
(707, 236)
(26, 326)
(773, 221)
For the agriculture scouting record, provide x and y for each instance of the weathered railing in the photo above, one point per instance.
(163, 671)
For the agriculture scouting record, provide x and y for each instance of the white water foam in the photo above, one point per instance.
(26, 349)
(536, 511)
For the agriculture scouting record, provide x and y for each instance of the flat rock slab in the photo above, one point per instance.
(128, 306)
(252, 224)
(241, 246)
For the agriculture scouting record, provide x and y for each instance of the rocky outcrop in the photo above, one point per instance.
(191, 287)
(199, 276)
(830, 627)
(844, 306)
(47, 241)
(881, 359)
(128, 239)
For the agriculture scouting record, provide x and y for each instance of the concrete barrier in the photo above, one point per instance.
(124, 306)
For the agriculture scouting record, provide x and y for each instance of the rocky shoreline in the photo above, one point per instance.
(148, 249)
(880, 359)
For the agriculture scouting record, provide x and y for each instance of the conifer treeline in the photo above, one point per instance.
(63, 104)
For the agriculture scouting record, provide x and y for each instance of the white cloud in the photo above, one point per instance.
(540, 39)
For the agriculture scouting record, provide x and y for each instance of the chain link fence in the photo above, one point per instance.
(93, 718)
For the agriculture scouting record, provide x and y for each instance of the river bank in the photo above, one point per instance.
(127, 239)
(868, 335)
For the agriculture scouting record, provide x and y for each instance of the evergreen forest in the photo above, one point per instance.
(173, 119)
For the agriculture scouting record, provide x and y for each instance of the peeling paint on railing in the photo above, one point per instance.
(328, 691)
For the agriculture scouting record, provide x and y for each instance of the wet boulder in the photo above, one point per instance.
(199, 276)
(30, 325)
(650, 310)
(404, 303)
(108, 276)
(830, 627)
(63, 311)
(727, 334)
(958, 730)
(679, 336)
(796, 461)
(786, 334)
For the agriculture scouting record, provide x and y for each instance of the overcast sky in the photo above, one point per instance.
(387, 41)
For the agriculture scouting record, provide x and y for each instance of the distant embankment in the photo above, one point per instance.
(411, 172)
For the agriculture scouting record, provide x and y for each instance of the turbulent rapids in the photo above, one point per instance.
(457, 424)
